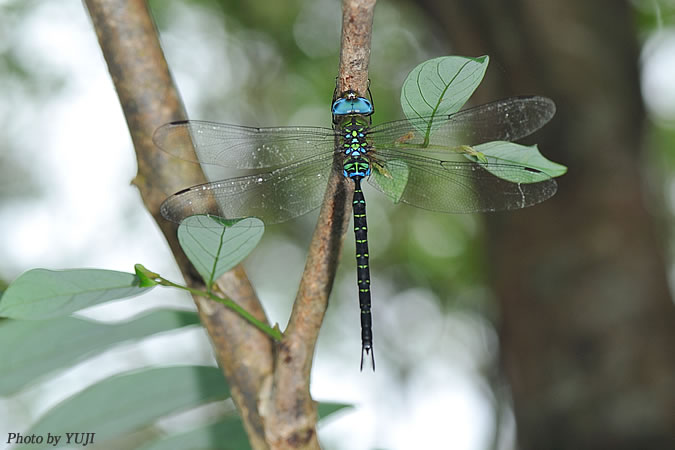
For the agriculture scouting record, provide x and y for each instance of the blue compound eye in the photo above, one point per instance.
(361, 105)
(342, 106)
(357, 105)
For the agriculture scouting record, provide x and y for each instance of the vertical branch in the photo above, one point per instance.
(357, 27)
(128, 39)
(292, 413)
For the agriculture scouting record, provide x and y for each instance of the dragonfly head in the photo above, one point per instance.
(351, 103)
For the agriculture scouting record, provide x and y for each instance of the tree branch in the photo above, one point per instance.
(128, 39)
(357, 29)
(292, 414)
(149, 99)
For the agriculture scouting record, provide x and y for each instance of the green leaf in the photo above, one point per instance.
(146, 278)
(43, 294)
(392, 179)
(226, 434)
(128, 402)
(41, 347)
(216, 245)
(502, 152)
(439, 87)
(325, 409)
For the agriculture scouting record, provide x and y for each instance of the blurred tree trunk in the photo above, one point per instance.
(587, 321)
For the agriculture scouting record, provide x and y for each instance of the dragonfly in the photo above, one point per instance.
(437, 171)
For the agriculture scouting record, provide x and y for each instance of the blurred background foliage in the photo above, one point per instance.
(267, 63)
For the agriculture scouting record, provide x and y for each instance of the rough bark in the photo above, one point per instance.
(587, 320)
(129, 42)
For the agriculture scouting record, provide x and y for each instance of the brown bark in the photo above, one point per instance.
(129, 42)
(587, 321)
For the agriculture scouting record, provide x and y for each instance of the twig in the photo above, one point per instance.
(357, 28)
(291, 416)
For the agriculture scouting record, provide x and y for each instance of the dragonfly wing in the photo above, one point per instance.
(273, 197)
(240, 147)
(460, 186)
(504, 120)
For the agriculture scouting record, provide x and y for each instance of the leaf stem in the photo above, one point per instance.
(274, 333)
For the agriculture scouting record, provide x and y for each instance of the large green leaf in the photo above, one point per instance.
(226, 434)
(41, 347)
(128, 402)
(502, 152)
(439, 87)
(43, 294)
(215, 245)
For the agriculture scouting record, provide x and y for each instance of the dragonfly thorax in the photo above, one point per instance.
(355, 147)
(353, 136)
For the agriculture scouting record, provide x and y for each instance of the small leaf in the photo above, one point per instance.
(128, 402)
(216, 245)
(326, 409)
(440, 86)
(502, 152)
(392, 179)
(41, 347)
(42, 294)
(145, 277)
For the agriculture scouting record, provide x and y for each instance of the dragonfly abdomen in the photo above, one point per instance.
(362, 270)
(356, 166)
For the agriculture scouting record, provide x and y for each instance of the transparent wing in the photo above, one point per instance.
(461, 186)
(273, 197)
(240, 147)
(504, 120)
